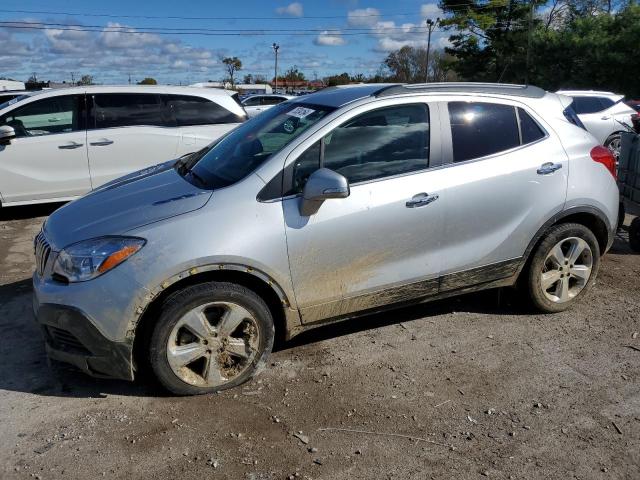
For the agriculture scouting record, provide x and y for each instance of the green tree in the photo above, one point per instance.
(148, 81)
(294, 75)
(233, 65)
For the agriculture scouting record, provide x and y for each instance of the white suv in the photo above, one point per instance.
(604, 115)
(57, 145)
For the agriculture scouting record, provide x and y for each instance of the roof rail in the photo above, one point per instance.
(463, 87)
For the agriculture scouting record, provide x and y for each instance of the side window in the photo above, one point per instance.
(125, 110)
(272, 100)
(45, 117)
(189, 110)
(381, 143)
(253, 101)
(479, 129)
(586, 105)
(606, 102)
(529, 128)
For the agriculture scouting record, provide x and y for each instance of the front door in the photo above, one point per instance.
(386, 235)
(48, 158)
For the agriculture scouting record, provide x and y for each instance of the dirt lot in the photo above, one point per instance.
(464, 388)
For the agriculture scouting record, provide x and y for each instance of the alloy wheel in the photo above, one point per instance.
(567, 269)
(213, 344)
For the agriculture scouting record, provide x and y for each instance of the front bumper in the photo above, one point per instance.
(70, 337)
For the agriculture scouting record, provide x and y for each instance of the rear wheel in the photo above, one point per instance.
(613, 143)
(563, 268)
(634, 234)
(210, 337)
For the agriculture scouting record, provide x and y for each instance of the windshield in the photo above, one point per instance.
(247, 147)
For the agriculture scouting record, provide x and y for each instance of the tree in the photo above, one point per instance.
(248, 79)
(408, 65)
(148, 81)
(294, 75)
(333, 80)
(233, 65)
(86, 80)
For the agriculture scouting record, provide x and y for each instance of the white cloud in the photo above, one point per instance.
(112, 38)
(431, 10)
(292, 10)
(330, 39)
(363, 17)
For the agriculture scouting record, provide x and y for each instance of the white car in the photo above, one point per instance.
(256, 104)
(604, 115)
(12, 95)
(57, 145)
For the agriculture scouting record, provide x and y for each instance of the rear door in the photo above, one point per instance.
(48, 158)
(127, 132)
(381, 245)
(507, 175)
(198, 120)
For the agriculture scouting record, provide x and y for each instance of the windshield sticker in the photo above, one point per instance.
(300, 112)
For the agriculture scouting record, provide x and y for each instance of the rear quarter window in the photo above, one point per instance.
(190, 110)
(587, 105)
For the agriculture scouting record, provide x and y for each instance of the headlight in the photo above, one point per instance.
(91, 258)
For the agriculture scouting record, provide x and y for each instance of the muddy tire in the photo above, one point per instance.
(210, 337)
(634, 234)
(613, 144)
(563, 268)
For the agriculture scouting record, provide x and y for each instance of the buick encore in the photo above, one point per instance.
(57, 145)
(327, 207)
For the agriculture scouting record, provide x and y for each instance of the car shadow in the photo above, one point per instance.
(28, 211)
(621, 242)
(24, 366)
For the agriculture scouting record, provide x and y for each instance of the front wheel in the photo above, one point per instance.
(210, 337)
(563, 268)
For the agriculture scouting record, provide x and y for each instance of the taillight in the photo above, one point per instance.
(604, 156)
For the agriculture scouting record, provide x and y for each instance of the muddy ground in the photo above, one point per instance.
(472, 387)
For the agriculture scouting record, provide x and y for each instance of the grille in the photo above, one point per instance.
(42, 250)
(65, 340)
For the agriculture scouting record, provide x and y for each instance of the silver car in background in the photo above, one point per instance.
(256, 104)
(327, 207)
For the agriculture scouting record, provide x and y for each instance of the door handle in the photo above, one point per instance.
(101, 143)
(606, 117)
(548, 168)
(421, 199)
(70, 146)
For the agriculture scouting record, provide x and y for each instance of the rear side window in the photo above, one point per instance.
(479, 129)
(188, 110)
(272, 100)
(112, 110)
(529, 128)
(586, 105)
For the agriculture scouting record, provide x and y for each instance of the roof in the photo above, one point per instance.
(588, 93)
(207, 92)
(465, 87)
(343, 94)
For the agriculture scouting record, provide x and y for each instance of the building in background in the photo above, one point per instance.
(11, 85)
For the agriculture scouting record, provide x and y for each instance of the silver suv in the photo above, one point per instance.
(324, 208)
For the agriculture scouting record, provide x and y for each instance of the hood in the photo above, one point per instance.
(137, 199)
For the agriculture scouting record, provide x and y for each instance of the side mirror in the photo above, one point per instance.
(6, 134)
(322, 185)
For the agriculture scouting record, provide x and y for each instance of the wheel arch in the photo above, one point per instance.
(285, 318)
(591, 217)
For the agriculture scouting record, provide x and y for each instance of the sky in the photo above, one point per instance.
(320, 38)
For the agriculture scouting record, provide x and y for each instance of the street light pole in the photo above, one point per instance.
(275, 49)
(430, 25)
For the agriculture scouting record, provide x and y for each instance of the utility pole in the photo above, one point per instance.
(129, 79)
(526, 73)
(430, 25)
(73, 78)
(275, 49)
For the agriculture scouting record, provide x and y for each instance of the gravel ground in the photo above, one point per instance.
(471, 387)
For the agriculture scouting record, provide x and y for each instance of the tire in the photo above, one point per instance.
(197, 328)
(634, 234)
(613, 144)
(580, 275)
